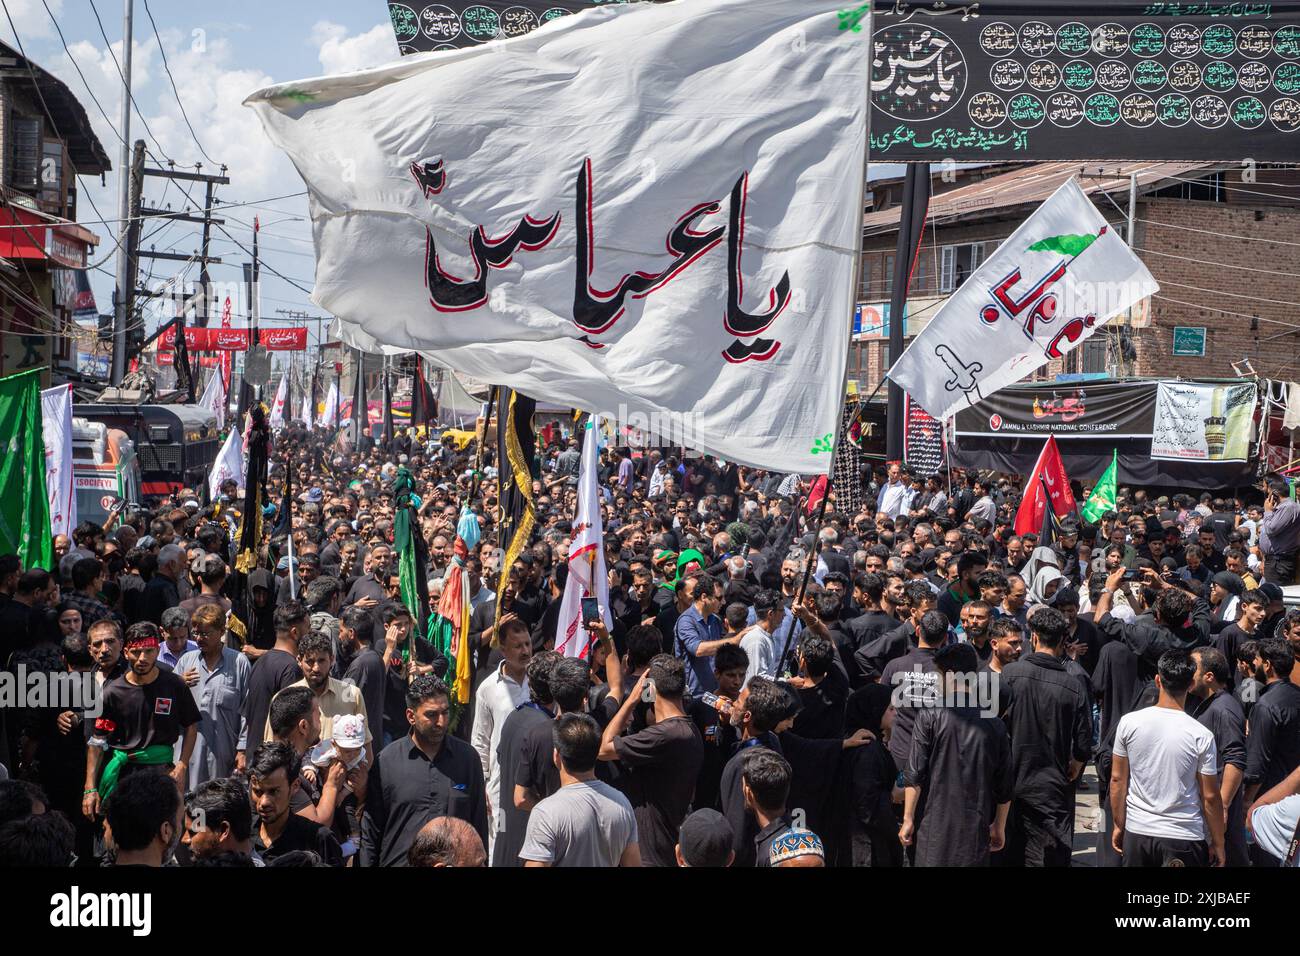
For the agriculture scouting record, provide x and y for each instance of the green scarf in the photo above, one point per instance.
(155, 755)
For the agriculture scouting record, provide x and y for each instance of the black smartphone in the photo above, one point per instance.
(1133, 574)
(590, 610)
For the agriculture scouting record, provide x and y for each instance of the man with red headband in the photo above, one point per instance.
(143, 713)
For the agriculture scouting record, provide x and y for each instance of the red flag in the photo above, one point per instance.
(815, 494)
(1053, 481)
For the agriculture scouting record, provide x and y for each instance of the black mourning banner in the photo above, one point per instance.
(1113, 412)
(1053, 80)
(421, 27)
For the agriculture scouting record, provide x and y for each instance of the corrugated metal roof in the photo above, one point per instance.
(1032, 185)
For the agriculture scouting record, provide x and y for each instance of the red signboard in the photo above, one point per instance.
(291, 339)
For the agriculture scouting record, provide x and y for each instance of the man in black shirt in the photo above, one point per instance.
(822, 688)
(1219, 712)
(1050, 719)
(144, 815)
(273, 777)
(1273, 746)
(762, 706)
(276, 669)
(144, 713)
(365, 668)
(426, 774)
(719, 736)
(662, 760)
(913, 679)
(536, 712)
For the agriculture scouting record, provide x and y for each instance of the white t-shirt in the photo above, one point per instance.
(1275, 825)
(757, 643)
(1167, 750)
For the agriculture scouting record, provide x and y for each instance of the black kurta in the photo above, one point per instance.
(962, 763)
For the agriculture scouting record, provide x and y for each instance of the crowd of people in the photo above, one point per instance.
(906, 683)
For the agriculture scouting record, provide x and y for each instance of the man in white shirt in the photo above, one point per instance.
(1164, 785)
(496, 699)
(758, 642)
(896, 497)
(1275, 820)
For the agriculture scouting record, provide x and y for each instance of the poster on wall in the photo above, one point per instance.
(1203, 422)
(1053, 80)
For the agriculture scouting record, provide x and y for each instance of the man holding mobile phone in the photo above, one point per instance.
(1279, 534)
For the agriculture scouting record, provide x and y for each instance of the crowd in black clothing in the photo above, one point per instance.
(908, 683)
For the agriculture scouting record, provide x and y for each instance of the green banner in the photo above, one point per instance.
(24, 508)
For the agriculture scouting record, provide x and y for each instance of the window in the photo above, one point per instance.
(956, 263)
(24, 159)
(864, 280)
(1092, 354)
(886, 283)
(52, 166)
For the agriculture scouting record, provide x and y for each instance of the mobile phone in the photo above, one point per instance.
(1133, 574)
(590, 610)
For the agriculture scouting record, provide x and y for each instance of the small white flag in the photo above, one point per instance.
(229, 464)
(1056, 280)
(56, 429)
(277, 407)
(214, 398)
(587, 575)
(329, 417)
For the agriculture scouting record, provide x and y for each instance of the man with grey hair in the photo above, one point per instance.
(161, 592)
(176, 637)
(447, 841)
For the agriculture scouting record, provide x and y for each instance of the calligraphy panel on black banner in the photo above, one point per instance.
(1111, 411)
(421, 27)
(1055, 80)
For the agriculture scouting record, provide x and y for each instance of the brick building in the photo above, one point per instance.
(1223, 242)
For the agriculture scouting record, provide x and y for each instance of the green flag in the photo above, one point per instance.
(1102, 498)
(24, 509)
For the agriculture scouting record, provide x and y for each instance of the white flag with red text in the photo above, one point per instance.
(649, 210)
(588, 577)
(277, 406)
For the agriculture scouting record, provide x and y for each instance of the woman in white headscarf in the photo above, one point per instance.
(1047, 582)
(1041, 557)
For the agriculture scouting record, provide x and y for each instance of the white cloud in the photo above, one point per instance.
(212, 89)
(340, 53)
(30, 18)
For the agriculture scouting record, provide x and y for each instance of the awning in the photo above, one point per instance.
(29, 234)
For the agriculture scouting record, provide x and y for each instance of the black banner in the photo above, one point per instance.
(1057, 80)
(922, 441)
(1110, 412)
(421, 27)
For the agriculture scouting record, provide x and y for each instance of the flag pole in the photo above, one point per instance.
(844, 380)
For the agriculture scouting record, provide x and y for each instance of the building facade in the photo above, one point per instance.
(1223, 242)
(46, 142)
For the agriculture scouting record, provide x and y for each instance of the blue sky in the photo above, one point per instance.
(217, 53)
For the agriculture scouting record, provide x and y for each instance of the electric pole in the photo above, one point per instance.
(122, 293)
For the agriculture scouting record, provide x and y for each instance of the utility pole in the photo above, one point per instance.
(122, 292)
(199, 300)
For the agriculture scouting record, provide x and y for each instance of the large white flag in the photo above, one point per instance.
(277, 406)
(214, 398)
(646, 210)
(587, 574)
(1056, 280)
(229, 464)
(56, 430)
(329, 417)
(306, 415)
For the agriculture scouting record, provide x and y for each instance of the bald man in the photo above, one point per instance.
(447, 841)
